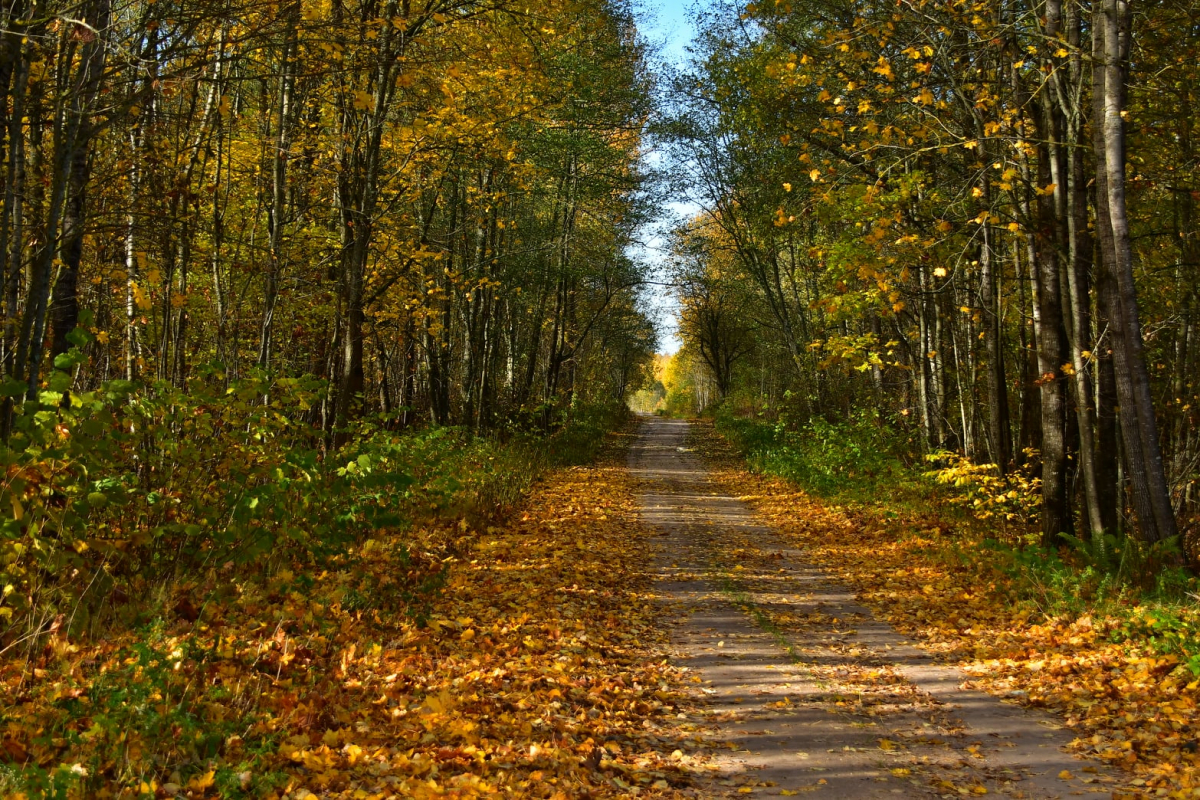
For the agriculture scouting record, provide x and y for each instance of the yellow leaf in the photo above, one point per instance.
(204, 781)
(1065, 775)
(815, 175)
(440, 703)
(139, 296)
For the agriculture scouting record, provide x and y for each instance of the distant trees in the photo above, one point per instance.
(980, 216)
(715, 306)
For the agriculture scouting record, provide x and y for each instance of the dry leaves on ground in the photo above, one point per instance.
(533, 674)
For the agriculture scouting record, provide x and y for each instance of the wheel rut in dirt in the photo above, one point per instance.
(803, 689)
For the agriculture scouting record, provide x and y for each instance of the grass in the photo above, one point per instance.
(741, 598)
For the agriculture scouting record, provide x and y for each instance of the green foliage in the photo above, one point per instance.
(150, 481)
(1169, 630)
(1127, 560)
(579, 440)
(1106, 576)
(824, 457)
(143, 483)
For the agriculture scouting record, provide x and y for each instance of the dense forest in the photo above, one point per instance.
(321, 321)
(974, 222)
(426, 206)
(293, 220)
(278, 277)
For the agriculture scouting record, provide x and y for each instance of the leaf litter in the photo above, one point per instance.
(535, 671)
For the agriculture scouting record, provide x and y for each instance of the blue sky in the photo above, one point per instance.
(666, 22)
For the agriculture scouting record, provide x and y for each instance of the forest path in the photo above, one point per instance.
(805, 690)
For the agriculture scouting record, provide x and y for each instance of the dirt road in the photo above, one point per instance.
(805, 690)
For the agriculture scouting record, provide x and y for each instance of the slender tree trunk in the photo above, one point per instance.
(1078, 265)
(279, 184)
(65, 311)
(1143, 457)
(999, 424)
(1052, 351)
(14, 210)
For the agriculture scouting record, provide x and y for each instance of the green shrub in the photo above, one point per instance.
(823, 457)
(579, 440)
(141, 484)
(1105, 577)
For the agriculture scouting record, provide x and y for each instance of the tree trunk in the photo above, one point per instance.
(1139, 429)
(279, 180)
(999, 424)
(1052, 351)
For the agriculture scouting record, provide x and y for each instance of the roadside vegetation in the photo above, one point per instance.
(252, 662)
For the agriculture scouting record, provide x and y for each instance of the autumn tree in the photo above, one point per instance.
(919, 195)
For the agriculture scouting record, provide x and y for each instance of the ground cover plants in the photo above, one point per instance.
(262, 619)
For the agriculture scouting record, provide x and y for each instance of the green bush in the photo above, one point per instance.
(579, 440)
(142, 484)
(1105, 577)
(823, 457)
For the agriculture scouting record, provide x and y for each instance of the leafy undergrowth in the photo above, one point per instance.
(1130, 697)
(446, 658)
